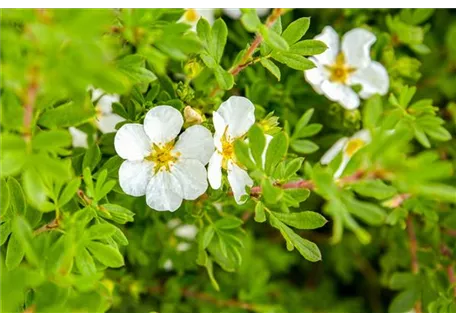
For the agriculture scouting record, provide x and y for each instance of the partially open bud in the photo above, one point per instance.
(192, 116)
(192, 69)
(270, 124)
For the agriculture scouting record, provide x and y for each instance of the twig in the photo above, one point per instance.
(397, 200)
(54, 224)
(244, 63)
(413, 254)
(29, 103)
(207, 298)
(452, 277)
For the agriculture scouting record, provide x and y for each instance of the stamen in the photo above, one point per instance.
(353, 146)
(340, 71)
(163, 157)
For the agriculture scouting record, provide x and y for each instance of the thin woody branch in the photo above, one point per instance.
(413, 246)
(244, 62)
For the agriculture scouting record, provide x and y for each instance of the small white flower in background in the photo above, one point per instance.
(235, 13)
(231, 121)
(164, 170)
(348, 147)
(338, 68)
(106, 119)
(191, 16)
(168, 265)
(79, 138)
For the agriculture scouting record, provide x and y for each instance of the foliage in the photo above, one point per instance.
(73, 241)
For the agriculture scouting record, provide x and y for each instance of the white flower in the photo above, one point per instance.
(106, 119)
(348, 147)
(235, 13)
(191, 16)
(339, 68)
(168, 265)
(165, 170)
(79, 138)
(186, 231)
(231, 121)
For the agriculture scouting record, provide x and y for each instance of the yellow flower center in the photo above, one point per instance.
(163, 157)
(353, 146)
(340, 71)
(191, 15)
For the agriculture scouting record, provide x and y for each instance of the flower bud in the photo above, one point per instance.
(192, 116)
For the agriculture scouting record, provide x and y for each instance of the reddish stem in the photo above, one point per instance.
(413, 245)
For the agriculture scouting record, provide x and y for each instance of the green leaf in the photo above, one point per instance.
(250, 21)
(207, 236)
(307, 131)
(292, 167)
(404, 301)
(260, 215)
(36, 190)
(5, 197)
(17, 203)
(228, 223)
(271, 67)
(84, 262)
(118, 213)
(134, 67)
(293, 60)
(302, 220)
(14, 252)
(306, 248)
(273, 39)
(296, 30)
(51, 140)
(217, 42)
(70, 190)
(438, 133)
(368, 212)
(304, 120)
(13, 159)
(100, 231)
(23, 232)
(91, 157)
(308, 47)
(402, 280)
(276, 151)
(257, 143)
(224, 78)
(203, 29)
(372, 112)
(374, 188)
(107, 255)
(271, 194)
(304, 146)
(242, 153)
(67, 115)
(5, 231)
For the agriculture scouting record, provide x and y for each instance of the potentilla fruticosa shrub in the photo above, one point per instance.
(217, 160)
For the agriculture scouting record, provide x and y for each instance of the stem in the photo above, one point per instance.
(29, 103)
(47, 227)
(244, 63)
(452, 277)
(413, 254)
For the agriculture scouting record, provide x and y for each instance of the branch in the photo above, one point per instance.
(54, 224)
(244, 63)
(29, 103)
(450, 267)
(413, 254)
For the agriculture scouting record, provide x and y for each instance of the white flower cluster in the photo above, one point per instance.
(168, 168)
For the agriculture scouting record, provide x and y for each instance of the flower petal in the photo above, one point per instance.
(342, 166)
(105, 103)
(79, 138)
(162, 124)
(186, 231)
(164, 192)
(131, 142)
(340, 93)
(214, 170)
(333, 151)
(107, 122)
(356, 45)
(192, 177)
(239, 180)
(364, 135)
(330, 37)
(238, 114)
(134, 177)
(374, 79)
(196, 143)
(317, 75)
(219, 122)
